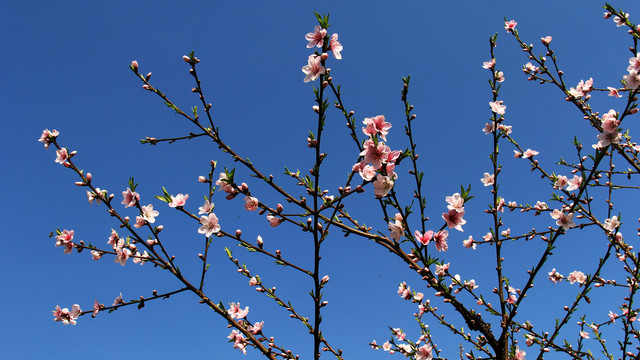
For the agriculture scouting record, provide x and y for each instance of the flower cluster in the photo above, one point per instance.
(67, 317)
(315, 67)
(378, 160)
(582, 89)
(610, 133)
(456, 211)
(65, 238)
(124, 250)
(632, 79)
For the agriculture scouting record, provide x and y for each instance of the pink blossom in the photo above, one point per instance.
(386, 346)
(488, 179)
(236, 313)
(98, 195)
(561, 182)
(225, 186)
(206, 208)
(399, 334)
(423, 239)
(518, 354)
(442, 269)
(563, 219)
(577, 276)
(418, 297)
(149, 214)
(441, 240)
(65, 239)
(375, 153)
(454, 219)
(178, 200)
(510, 25)
(605, 139)
(256, 328)
(130, 198)
(555, 276)
(209, 225)
(122, 255)
(612, 316)
(65, 316)
(253, 281)
(335, 46)
(469, 243)
(118, 300)
(382, 186)
(582, 89)
(397, 229)
(517, 154)
(489, 64)
(574, 183)
(376, 125)
(529, 153)
(613, 92)
(540, 205)
(313, 69)
(274, 221)
(506, 233)
(497, 107)
(546, 40)
(610, 122)
(634, 64)
(367, 172)
(505, 128)
(424, 352)
(62, 155)
(47, 137)
(488, 128)
(530, 68)
(96, 255)
(316, 38)
(140, 222)
(455, 201)
(141, 258)
(584, 334)
(499, 76)
(620, 21)
(96, 309)
(632, 79)
(239, 342)
(612, 224)
(404, 291)
(251, 203)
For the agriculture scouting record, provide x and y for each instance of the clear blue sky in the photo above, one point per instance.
(66, 67)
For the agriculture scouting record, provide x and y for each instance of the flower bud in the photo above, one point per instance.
(134, 65)
(324, 280)
(89, 177)
(159, 227)
(279, 208)
(202, 179)
(148, 77)
(186, 59)
(324, 56)
(260, 242)
(238, 233)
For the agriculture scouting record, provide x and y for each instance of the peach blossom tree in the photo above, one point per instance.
(483, 316)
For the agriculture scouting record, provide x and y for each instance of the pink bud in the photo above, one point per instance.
(279, 208)
(324, 56)
(260, 243)
(186, 58)
(202, 179)
(244, 187)
(148, 76)
(238, 233)
(160, 227)
(134, 65)
(89, 177)
(324, 280)
(80, 183)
